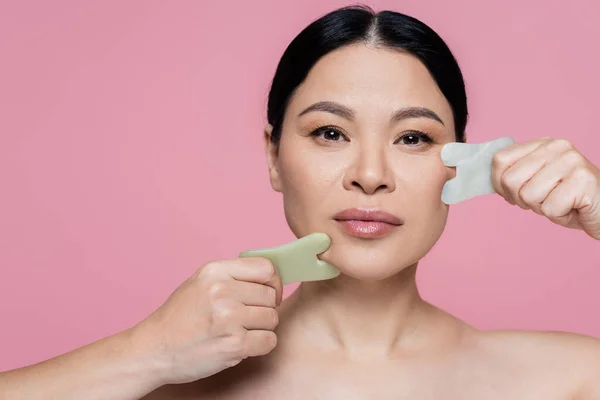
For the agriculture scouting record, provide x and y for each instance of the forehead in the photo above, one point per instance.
(371, 81)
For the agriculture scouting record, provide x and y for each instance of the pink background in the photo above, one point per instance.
(131, 154)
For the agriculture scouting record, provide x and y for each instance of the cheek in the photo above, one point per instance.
(428, 214)
(307, 175)
(429, 179)
(303, 187)
(426, 194)
(297, 175)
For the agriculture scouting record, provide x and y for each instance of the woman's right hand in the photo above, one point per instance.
(221, 315)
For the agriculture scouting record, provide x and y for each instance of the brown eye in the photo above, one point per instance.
(329, 134)
(410, 139)
(414, 138)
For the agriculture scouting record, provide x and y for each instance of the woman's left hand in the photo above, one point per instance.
(552, 178)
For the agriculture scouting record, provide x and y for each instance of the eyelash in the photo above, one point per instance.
(323, 129)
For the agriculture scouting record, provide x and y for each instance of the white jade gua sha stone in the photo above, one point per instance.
(473, 162)
(297, 261)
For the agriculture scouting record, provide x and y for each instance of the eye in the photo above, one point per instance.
(412, 138)
(328, 133)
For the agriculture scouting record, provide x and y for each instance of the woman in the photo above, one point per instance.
(359, 109)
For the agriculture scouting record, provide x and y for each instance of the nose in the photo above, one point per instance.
(370, 171)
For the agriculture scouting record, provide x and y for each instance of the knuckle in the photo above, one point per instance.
(546, 210)
(217, 291)
(199, 273)
(559, 145)
(221, 316)
(584, 176)
(509, 180)
(527, 195)
(500, 159)
(235, 344)
(209, 270)
(572, 157)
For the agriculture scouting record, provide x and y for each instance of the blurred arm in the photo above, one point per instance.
(116, 368)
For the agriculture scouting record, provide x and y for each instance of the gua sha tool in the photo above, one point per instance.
(473, 162)
(297, 261)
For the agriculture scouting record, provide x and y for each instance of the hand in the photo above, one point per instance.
(221, 315)
(552, 178)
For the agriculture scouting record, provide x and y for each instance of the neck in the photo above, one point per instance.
(359, 318)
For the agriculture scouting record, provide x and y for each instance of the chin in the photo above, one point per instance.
(366, 264)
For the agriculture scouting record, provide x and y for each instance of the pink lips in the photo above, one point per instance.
(370, 224)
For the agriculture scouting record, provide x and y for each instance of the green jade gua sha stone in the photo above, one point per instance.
(473, 162)
(297, 261)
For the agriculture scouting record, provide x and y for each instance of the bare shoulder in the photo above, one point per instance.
(568, 357)
(545, 342)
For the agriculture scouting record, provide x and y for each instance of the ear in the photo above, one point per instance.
(272, 153)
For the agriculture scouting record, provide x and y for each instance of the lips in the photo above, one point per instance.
(370, 224)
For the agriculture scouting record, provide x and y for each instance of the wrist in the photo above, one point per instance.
(145, 356)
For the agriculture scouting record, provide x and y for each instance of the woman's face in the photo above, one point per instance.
(364, 158)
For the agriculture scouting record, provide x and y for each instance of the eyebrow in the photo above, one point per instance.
(347, 113)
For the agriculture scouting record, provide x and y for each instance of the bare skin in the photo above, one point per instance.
(367, 333)
(438, 356)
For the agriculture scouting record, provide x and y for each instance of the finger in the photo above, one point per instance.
(253, 269)
(262, 318)
(504, 158)
(517, 176)
(454, 152)
(254, 294)
(260, 342)
(275, 282)
(537, 188)
(258, 270)
(559, 205)
(572, 198)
